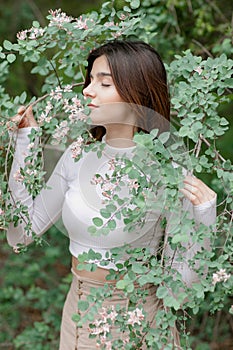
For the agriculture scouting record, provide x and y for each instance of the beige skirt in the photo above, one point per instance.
(75, 338)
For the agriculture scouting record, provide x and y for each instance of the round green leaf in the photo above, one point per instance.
(83, 305)
(162, 292)
(134, 4)
(112, 224)
(7, 45)
(98, 222)
(11, 58)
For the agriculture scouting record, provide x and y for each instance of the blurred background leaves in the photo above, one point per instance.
(34, 285)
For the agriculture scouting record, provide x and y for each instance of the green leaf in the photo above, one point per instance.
(126, 9)
(184, 131)
(224, 121)
(180, 238)
(92, 230)
(154, 132)
(162, 292)
(11, 58)
(76, 317)
(121, 284)
(134, 4)
(111, 207)
(229, 82)
(7, 45)
(112, 224)
(139, 268)
(198, 168)
(83, 305)
(36, 24)
(106, 214)
(130, 288)
(164, 137)
(23, 97)
(170, 301)
(97, 222)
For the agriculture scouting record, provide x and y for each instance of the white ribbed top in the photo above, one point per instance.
(72, 195)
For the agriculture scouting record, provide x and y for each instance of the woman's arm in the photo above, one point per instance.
(200, 204)
(46, 208)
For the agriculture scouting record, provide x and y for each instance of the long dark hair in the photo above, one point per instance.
(140, 79)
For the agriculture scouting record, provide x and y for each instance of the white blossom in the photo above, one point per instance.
(68, 88)
(31, 172)
(60, 132)
(22, 35)
(32, 33)
(198, 70)
(18, 176)
(48, 107)
(109, 24)
(31, 145)
(76, 147)
(58, 18)
(97, 180)
(36, 32)
(56, 95)
(112, 164)
(135, 317)
(220, 276)
(81, 23)
(133, 184)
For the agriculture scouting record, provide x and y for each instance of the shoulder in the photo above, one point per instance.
(68, 165)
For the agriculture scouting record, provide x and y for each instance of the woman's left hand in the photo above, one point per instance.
(197, 191)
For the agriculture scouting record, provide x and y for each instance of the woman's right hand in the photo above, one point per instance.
(24, 118)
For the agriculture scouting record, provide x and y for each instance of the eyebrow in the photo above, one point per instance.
(102, 74)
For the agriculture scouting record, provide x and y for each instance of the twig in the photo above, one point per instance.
(173, 10)
(218, 155)
(190, 7)
(216, 326)
(37, 12)
(197, 147)
(219, 12)
(203, 48)
(55, 71)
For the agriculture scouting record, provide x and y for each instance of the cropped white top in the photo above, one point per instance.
(72, 195)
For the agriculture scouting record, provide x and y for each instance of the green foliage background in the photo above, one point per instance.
(34, 285)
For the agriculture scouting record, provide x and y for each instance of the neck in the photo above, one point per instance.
(118, 135)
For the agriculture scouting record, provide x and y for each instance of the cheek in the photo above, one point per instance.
(112, 113)
(111, 96)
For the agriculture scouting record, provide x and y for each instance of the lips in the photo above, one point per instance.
(91, 105)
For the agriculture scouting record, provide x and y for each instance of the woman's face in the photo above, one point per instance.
(107, 107)
(101, 89)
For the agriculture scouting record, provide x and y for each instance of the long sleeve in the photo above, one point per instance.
(202, 214)
(46, 208)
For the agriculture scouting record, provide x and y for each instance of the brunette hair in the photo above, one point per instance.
(140, 79)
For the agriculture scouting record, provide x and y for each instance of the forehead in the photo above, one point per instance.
(100, 65)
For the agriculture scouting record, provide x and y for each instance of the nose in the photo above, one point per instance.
(89, 91)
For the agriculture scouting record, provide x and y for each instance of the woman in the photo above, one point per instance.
(121, 77)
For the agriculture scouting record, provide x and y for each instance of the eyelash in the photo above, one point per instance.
(105, 85)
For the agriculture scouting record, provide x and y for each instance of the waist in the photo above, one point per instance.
(99, 274)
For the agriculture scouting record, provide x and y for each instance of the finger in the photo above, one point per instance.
(29, 112)
(195, 186)
(16, 119)
(192, 197)
(192, 189)
(196, 196)
(14, 122)
(198, 186)
(21, 110)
